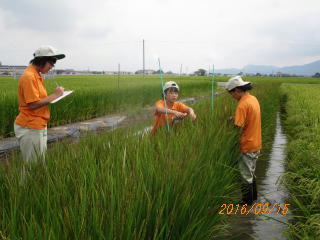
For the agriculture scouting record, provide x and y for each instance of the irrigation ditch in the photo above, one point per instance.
(271, 193)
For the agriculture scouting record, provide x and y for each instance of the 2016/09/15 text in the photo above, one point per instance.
(256, 208)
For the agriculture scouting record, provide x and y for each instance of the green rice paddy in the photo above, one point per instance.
(302, 123)
(96, 96)
(120, 185)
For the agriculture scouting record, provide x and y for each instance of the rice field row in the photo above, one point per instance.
(95, 96)
(122, 186)
(302, 124)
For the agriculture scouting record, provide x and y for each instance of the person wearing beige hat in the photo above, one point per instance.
(170, 110)
(30, 126)
(248, 119)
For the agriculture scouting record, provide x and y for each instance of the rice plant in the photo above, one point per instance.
(95, 96)
(100, 95)
(120, 185)
(302, 125)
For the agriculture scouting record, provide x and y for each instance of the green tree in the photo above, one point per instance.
(200, 72)
(317, 75)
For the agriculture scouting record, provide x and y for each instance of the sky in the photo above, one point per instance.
(183, 34)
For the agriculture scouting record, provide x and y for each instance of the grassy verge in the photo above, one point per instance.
(302, 118)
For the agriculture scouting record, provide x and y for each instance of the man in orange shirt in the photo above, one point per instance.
(30, 126)
(170, 110)
(248, 119)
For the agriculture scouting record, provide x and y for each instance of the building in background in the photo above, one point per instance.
(11, 70)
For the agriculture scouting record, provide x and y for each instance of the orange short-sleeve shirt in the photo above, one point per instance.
(248, 117)
(31, 89)
(160, 118)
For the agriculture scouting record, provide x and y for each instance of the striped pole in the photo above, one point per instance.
(212, 89)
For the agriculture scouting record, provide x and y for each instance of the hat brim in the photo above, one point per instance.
(59, 56)
(171, 87)
(244, 84)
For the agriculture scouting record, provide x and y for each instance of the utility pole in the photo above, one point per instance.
(180, 70)
(143, 68)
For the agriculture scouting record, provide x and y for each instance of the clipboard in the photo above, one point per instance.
(65, 93)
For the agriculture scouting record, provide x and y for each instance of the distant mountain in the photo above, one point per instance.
(228, 71)
(306, 70)
(263, 69)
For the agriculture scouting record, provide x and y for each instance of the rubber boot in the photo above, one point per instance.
(250, 194)
(244, 191)
(247, 194)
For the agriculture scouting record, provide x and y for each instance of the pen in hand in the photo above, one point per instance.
(59, 86)
(59, 89)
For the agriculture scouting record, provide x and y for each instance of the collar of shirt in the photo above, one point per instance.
(246, 95)
(32, 69)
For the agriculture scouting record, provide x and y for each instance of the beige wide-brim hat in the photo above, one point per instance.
(170, 84)
(235, 82)
(48, 51)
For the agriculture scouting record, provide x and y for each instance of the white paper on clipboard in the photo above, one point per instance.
(65, 93)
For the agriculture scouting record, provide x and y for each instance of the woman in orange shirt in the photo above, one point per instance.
(247, 118)
(172, 108)
(30, 126)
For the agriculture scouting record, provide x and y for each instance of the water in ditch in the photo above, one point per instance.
(271, 194)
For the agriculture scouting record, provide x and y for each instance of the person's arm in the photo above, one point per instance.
(163, 110)
(45, 101)
(187, 110)
(240, 118)
(191, 113)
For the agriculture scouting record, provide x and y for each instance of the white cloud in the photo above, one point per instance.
(99, 34)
